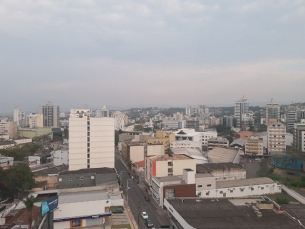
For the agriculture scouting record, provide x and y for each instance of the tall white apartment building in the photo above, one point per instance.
(17, 115)
(91, 141)
(102, 112)
(276, 138)
(119, 120)
(272, 111)
(50, 114)
(35, 120)
(240, 107)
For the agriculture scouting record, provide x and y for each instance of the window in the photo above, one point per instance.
(170, 163)
(81, 178)
(88, 161)
(208, 193)
(231, 190)
(70, 179)
(88, 144)
(221, 192)
(262, 188)
(59, 179)
(92, 177)
(200, 186)
(209, 185)
(88, 155)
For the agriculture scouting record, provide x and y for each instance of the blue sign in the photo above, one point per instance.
(49, 205)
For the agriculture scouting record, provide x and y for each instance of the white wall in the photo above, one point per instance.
(154, 150)
(136, 153)
(61, 157)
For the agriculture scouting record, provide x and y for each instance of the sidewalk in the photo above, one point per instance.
(131, 220)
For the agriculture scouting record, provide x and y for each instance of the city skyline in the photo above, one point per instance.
(127, 54)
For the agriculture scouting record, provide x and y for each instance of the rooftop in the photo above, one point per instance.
(221, 155)
(221, 213)
(244, 182)
(93, 170)
(83, 196)
(209, 167)
(190, 152)
(140, 163)
(238, 141)
(167, 157)
(3, 143)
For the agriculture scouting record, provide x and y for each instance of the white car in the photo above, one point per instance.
(144, 215)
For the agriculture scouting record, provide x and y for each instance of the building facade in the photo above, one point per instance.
(91, 141)
(299, 136)
(276, 138)
(254, 146)
(240, 107)
(272, 111)
(102, 112)
(35, 120)
(8, 127)
(162, 137)
(119, 121)
(50, 114)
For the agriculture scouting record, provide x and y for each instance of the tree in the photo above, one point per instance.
(66, 133)
(262, 128)
(29, 204)
(138, 128)
(19, 178)
(266, 167)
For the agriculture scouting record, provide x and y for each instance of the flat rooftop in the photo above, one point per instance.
(167, 157)
(210, 167)
(221, 213)
(82, 196)
(244, 182)
(93, 170)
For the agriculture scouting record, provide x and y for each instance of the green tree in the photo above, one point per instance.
(66, 133)
(262, 128)
(20, 178)
(266, 168)
(138, 128)
(29, 204)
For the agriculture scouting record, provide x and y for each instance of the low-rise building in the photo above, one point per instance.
(185, 144)
(222, 155)
(245, 134)
(188, 134)
(254, 146)
(173, 125)
(194, 153)
(167, 165)
(85, 208)
(6, 162)
(86, 178)
(22, 140)
(206, 135)
(217, 142)
(6, 144)
(194, 213)
(162, 137)
(222, 171)
(50, 175)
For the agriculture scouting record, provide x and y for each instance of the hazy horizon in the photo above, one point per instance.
(167, 53)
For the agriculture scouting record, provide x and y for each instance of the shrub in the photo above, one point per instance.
(281, 200)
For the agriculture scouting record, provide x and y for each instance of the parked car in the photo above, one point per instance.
(147, 198)
(144, 215)
(149, 223)
(117, 210)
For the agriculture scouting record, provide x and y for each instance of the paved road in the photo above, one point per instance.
(136, 199)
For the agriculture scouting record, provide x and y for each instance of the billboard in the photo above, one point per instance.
(49, 205)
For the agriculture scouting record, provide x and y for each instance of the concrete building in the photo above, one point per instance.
(119, 121)
(166, 165)
(22, 140)
(276, 138)
(254, 146)
(291, 117)
(6, 144)
(272, 111)
(186, 144)
(61, 157)
(192, 124)
(6, 162)
(31, 133)
(206, 135)
(87, 178)
(137, 151)
(173, 125)
(217, 142)
(8, 127)
(162, 137)
(50, 114)
(299, 136)
(222, 171)
(173, 186)
(194, 153)
(85, 208)
(49, 175)
(17, 115)
(194, 213)
(208, 187)
(188, 134)
(35, 120)
(91, 141)
(102, 112)
(240, 107)
(34, 161)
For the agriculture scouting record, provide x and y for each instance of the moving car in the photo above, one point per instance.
(144, 215)
(149, 223)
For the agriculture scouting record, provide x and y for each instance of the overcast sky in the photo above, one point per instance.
(150, 52)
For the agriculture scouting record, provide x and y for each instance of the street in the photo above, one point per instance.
(136, 200)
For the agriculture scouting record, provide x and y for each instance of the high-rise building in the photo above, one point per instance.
(102, 112)
(8, 127)
(254, 146)
(17, 115)
(119, 121)
(276, 138)
(91, 141)
(299, 136)
(272, 111)
(240, 107)
(291, 117)
(35, 120)
(50, 114)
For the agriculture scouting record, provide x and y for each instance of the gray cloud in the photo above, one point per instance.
(134, 53)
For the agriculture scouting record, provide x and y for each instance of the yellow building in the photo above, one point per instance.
(164, 138)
